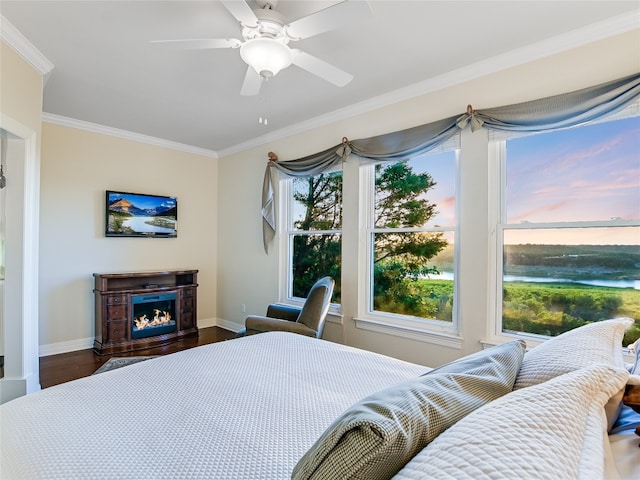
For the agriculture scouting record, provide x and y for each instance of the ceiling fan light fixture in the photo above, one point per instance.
(267, 56)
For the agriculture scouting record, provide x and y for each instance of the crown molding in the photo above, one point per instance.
(12, 37)
(551, 46)
(125, 134)
(567, 41)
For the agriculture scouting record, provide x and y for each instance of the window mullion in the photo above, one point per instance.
(497, 182)
(285, 188)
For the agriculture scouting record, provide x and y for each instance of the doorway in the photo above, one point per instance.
(19, 216)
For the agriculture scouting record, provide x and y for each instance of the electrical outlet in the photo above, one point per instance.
(244, 308)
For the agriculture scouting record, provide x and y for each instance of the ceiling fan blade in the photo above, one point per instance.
(252, 83)
(197, 43)
(320, 68)
(242, 12)
(340, 15)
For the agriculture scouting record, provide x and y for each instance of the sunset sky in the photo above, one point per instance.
(582, 174)
(442, 168)
(590, 173)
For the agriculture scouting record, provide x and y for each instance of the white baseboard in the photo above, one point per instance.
(207, 322)
(65, 347)
(219, 322)
(227, 325)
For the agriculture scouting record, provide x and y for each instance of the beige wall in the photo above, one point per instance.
(20, 89)
(248, 276)
(77, 167)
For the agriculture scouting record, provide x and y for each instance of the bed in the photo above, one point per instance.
(280, 405)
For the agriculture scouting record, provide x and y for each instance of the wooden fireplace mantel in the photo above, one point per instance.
(113, 308)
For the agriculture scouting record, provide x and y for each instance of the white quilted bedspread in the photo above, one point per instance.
(247, 408)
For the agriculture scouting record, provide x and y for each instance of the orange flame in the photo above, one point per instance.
(161, 317)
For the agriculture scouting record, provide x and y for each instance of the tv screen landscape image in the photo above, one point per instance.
(140, 215)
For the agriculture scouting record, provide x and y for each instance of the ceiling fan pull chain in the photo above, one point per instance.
(262, 102)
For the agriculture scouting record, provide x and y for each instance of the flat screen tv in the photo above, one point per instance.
(140, 215)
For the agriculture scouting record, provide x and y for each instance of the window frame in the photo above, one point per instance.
(416, 328)
(498, 210)
(287, 233)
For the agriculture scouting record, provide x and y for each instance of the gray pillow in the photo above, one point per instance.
(375, 437)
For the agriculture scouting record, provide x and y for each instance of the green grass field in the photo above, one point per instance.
(553, 308)
(540, 308)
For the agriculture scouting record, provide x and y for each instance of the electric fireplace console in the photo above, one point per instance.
(141, 310)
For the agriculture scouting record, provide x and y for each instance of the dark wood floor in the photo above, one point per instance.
(64, 367)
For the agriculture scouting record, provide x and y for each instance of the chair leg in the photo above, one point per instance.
(244, 332)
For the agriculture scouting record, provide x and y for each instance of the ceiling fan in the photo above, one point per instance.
(266, 35)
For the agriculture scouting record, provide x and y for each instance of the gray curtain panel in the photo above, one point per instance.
(559, 111)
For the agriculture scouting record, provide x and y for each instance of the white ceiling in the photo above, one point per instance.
(107, 73)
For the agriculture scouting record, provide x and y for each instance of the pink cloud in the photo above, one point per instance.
(541, 213)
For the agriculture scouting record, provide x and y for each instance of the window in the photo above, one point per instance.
(569, 228)
(495, 235)
(412, 238)
(314, 232)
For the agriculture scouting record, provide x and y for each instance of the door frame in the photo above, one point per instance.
(20, 302)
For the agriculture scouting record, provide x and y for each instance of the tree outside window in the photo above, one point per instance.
(413, 237)
(316, 234)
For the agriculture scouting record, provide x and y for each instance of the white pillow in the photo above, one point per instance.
(556, 429)
(595, 343)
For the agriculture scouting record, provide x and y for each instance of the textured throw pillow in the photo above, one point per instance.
(479, 360)
(375, 437)
(552, 430)
(596, 343)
